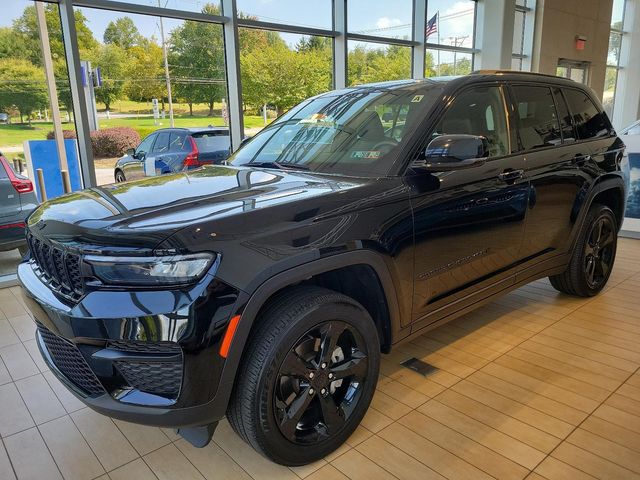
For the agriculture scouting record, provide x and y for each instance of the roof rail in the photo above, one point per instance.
(515, 72)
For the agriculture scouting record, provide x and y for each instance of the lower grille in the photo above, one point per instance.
(68, 359)
(158, 378)
(139, 346)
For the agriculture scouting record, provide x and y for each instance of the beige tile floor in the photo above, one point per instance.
(535, 385)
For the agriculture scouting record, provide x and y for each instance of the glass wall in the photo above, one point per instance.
(279, 70)
(523, 30)
(373, 62)
(613, 56)
(375, 18)
(316, 14)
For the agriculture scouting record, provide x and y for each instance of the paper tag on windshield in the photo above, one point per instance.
(417, 98)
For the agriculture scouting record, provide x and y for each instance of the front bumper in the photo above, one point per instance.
(148, 357)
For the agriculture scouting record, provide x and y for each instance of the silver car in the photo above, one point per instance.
(17, 201)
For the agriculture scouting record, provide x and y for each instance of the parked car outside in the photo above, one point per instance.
(266, 290)
(17, 201)
(4, 117)
(171, 150)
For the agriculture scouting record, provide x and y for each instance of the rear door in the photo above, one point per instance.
(469, 223)
(9, 198)
(548, 143)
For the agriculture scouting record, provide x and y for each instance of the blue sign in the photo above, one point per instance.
(44, 154)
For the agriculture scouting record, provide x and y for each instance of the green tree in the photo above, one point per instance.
(123, 33)
(145, 72)
(112, 60)
(22, 86)
(379, 65)
(13, 44)
(197, 62)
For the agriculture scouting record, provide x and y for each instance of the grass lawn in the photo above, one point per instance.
(14, 135)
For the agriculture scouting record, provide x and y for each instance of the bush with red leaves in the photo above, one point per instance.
(109, 142)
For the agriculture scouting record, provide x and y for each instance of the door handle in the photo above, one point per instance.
(511, 175)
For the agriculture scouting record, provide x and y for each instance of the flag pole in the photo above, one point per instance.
(438, 29)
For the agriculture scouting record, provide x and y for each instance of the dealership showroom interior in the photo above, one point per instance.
(323, 240)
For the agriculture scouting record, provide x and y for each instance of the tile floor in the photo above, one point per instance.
(535, 385)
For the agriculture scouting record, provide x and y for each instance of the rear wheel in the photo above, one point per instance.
(119, 176)
(308, 376)
(593, 255)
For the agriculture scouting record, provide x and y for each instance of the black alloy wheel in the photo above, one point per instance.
(320, 382)
(308, 374)
(598, 252)
(119, 177)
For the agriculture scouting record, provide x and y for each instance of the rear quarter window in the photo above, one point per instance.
(590, 122)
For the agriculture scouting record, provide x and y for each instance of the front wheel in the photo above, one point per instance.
(119, 176)
(307, 377)
(593, 256)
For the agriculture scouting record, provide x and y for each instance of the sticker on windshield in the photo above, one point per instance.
(417, 98)
(318, 119)
(365, 154)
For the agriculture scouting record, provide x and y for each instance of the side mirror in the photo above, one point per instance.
(131, 152)
(454, 152)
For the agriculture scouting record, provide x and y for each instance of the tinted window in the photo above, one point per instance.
(590, 122)
(537, 119)
(211, 141)
(360, 132)
(564, 116)
(176, 140)
(478, 111)
(162, 143)
(145, 145)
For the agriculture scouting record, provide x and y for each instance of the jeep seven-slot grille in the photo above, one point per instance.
(58, 267)
(68, 359)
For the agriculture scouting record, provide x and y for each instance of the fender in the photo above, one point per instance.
(606, 182)
(250, 304)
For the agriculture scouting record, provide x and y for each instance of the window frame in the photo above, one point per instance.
(159, 133)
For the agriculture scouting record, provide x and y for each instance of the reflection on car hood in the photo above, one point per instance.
(162, 205)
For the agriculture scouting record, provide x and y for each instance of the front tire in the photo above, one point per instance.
(593, 256)
(119, 176)
(307, 377)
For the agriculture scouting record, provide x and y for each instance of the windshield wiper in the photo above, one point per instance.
(278, 165)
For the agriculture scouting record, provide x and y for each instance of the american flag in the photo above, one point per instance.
(432, 25)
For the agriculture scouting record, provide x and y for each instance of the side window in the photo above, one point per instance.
(590, 122)
(564, 116)
(145, 145)
(478, 111)
(162, 143)
(537, 118)
(176, 141)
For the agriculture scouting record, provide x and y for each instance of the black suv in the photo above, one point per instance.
(266, 290)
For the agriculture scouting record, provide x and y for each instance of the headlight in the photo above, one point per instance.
(169, 270)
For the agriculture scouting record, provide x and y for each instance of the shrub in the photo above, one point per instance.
(144, 131)
(65, 134)
(113, 142)
(109, 142)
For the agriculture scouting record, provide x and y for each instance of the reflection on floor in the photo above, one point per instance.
(9, 262)
(536, 385)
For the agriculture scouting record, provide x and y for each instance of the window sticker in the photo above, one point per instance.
(417, 98)
(318, 119)
(365, 154)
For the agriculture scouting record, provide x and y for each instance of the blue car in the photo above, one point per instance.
(171, 150)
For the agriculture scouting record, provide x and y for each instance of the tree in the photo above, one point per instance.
(14, 45)
(145, 72)
(379, 65)
(197, 62)
(112, 60)
(123, 33)
(22, 85)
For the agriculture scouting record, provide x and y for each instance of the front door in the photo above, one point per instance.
(134, 167)
(469, 223)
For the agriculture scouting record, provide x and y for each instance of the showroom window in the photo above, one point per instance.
(523, 35)
(373, 62)
(316, 14)
(613, 56)
(375, 18)
(450, 37)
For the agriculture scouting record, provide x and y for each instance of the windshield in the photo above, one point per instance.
(355, 133)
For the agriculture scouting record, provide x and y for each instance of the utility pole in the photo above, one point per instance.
(51, 85)
(166, 70)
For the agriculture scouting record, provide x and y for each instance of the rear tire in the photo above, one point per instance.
(119, 176)
(307, 377)
(593, 255)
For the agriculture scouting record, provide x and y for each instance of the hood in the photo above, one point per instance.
(154, 208)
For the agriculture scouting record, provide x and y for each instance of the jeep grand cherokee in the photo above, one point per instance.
(266, 290)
